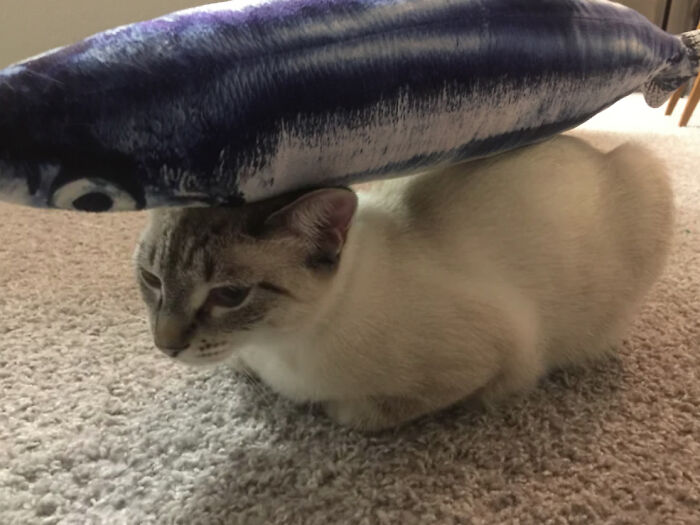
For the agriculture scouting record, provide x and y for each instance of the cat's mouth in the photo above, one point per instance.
(202, 357)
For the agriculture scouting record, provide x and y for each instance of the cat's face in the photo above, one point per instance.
(214, 279)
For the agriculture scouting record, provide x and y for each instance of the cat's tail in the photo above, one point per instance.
(662, 85)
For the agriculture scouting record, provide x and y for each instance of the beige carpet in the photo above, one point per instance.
(97, 427)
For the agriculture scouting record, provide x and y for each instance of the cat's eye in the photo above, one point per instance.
(228, 296)
(150, 279)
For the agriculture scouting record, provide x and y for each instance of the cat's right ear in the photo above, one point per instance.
(322, 218)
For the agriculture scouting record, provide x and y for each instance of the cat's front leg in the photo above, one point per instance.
(373, 414)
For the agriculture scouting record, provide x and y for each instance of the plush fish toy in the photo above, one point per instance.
(229, 103)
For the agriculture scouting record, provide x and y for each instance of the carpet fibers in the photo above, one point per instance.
(98, 427)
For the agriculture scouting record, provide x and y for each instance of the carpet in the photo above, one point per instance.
(98, 427)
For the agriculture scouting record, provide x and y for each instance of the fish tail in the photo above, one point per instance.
(662, 85)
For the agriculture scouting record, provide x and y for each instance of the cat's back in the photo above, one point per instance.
(553, 219)
(574, 235)
(561, 190)
(639, 207)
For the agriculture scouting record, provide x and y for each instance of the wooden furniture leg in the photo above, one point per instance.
(677, 94)
(693, 100)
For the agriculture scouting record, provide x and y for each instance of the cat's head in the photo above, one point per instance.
(215, 278)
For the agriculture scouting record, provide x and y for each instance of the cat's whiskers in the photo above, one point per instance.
(262, 392)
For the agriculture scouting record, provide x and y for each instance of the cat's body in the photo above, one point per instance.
(474, 280)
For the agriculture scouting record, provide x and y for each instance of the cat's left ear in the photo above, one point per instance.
(321, 217)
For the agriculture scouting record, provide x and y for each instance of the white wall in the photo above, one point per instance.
(682, 16)
(29, 27)
(652, 9)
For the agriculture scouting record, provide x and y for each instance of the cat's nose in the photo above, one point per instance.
(171, 335)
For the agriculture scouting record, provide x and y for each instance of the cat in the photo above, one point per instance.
(472, 281)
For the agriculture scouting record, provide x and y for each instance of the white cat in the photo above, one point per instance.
(471, 281)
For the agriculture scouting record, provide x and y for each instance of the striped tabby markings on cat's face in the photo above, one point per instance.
(215, 279)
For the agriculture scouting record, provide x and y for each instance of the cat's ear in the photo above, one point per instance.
(322, 217)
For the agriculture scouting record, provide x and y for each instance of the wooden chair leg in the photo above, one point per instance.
(677, 94)
(693, 100)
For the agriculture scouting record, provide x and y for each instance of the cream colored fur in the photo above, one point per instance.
(473, 281)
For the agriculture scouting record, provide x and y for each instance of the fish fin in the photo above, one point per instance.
(662, 85)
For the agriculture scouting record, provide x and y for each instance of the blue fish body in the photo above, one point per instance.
(224, 104)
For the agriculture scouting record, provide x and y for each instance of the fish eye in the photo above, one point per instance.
(94, 195)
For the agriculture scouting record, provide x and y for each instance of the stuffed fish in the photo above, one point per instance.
(228, 103)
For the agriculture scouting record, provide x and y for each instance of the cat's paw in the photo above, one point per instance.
(366, 415)
(358, 414)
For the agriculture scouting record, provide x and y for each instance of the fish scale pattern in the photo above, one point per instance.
(231, 103)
